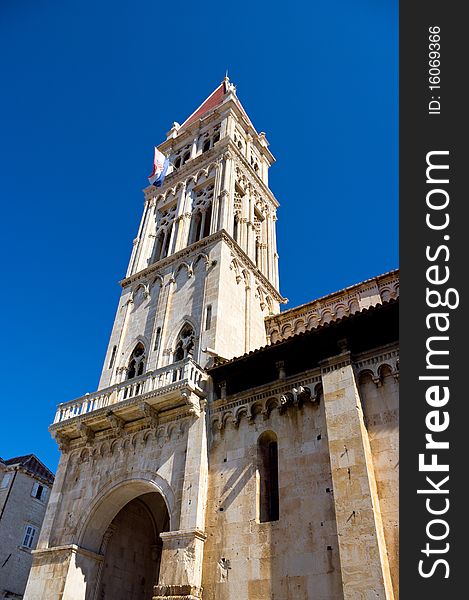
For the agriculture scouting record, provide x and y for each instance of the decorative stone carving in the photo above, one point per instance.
(86, 433)
(117, 424)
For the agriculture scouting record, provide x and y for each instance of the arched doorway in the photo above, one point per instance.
(132, 549)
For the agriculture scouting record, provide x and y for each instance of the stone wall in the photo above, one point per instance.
(294, 557)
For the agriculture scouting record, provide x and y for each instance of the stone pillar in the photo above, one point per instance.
(63, 573)
(362, 549)
(226, 197)
(182, 554)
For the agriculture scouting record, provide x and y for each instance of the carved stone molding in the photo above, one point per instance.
(292, 394)
(117, 424)
(86, 433)
(150, 413)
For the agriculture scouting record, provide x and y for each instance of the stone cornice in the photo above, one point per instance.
(196, 248)
(334, 306)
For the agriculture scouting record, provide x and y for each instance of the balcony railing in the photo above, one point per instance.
(185, 371)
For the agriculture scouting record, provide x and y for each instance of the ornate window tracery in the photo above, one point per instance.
(136, 362)
(185, 343)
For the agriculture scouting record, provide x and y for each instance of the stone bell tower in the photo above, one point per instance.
(201, 280)
(203, 272)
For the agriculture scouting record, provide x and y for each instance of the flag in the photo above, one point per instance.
(160, 166)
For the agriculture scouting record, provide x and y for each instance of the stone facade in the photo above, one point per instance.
(230, 451)
(25, 484)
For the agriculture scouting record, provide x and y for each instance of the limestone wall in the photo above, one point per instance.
(294, 557)
(380, 401)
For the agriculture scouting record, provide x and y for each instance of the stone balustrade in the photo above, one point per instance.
(185, 371)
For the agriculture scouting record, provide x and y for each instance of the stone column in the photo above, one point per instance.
(226, 197)
(362, 549)
(63, 573)
(182, 554)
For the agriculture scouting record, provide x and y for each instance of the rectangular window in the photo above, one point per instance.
(5, 481)
(208, 317)
(29, 536)
(39, 491)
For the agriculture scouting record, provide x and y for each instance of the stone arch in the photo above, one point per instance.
(341, 310)
(271, 404)
(365, 374)
(112, 499)
(131, 345)
(241, 412)
(199, 257)
(142, 285)
(386, 294)
(384, 370)
(186, 319)
(227, 418)
(299, 326)
(157, 279)
(181, 266)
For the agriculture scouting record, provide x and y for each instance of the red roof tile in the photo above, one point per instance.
(215, 98)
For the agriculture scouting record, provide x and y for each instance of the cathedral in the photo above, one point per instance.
(231, 451)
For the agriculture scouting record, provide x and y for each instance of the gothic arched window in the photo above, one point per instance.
(267, 460)
(206, 146)
(207, 222)
(185, 343)
(136, 362)
(196, 226)
(159, 246)
(167, 240)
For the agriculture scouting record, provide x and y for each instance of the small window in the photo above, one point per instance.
(186, 157)
(157, 338)
(29, 536)
(216, 138)
(208, 317)
(5, 482)
(206, 146)
(267, 454)
(177, 162)
(113, 357)
(39, 491)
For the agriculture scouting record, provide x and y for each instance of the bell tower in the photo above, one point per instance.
(203, 272)
(202, 277)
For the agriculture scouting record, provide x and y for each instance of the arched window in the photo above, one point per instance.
(208, 220)
(113, 357)
(185, 343)
(267, 460)
(195, 226)
(167, 239)
(136, 362)
(206, 146)
(186, 157)
(159, 246)
(216, 137)
(235, 228)
(177, 162)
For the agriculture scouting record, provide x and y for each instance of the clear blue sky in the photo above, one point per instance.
(89, 87)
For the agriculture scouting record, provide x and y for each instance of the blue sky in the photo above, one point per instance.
(88, 88)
